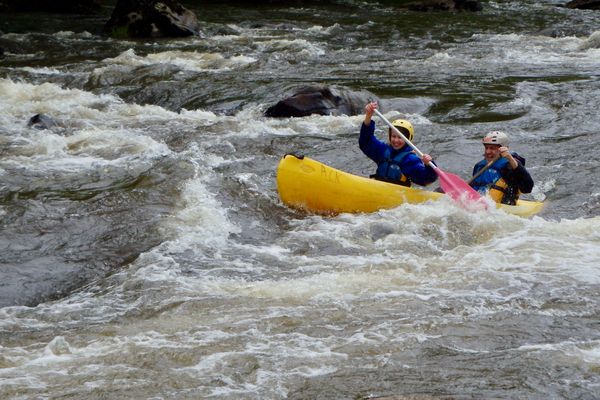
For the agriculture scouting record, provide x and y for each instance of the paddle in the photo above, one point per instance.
(482, 170)
(451, 184)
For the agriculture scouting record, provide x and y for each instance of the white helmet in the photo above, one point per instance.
(496, 137)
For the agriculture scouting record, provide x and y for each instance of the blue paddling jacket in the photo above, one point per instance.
(400, 166)
(502, 182)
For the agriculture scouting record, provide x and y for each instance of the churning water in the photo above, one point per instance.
(145, 252)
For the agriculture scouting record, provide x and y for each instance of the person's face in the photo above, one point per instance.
(396, 141)
(491, 151)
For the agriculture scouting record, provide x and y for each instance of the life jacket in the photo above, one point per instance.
(491, 182)
(389, 169)
(501, 192)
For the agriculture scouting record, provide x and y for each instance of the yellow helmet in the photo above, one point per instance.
(405, 127)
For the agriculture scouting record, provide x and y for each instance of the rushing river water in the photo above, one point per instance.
(145, 253)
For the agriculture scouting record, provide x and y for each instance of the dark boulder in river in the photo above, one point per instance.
(42, 121)
(584, 4)
(151, 18)
(320, 100)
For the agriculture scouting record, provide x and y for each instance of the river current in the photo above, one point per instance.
(145, 253)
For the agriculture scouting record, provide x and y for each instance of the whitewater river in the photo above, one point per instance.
(145, 254)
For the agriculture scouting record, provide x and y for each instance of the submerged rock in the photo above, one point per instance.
(584, 4)
(42, 121)
(320, 100)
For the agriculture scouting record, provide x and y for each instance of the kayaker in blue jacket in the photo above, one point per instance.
(396, 161)
(503, 174)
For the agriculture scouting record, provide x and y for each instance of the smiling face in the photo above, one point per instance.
(491, 151)
(396, 141)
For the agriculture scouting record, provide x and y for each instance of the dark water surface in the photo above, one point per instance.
(146, 254)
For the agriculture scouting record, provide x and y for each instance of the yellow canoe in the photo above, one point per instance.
(309, 185)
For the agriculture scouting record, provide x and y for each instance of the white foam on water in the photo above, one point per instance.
(592, 42)
(583, 354)
(500, 252)
(200, 215)
(342, 286)
(58, 346)
(73, 35)
(336, 276)
(92, 129)
(186, 60)
(256, 126)
(591, 355)
(45, 152)
(55, 353)
(272, 35)
(296, 47)
(29, 382)
(41, 71)
(207, 116)
(20, 101)
(494, 52)
(298, 355)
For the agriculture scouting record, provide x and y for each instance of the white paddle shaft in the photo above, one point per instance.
(408, 142)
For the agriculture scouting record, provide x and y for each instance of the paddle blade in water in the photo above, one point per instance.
(459, 190)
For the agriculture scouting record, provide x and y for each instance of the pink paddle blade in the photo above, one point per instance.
(459, 190)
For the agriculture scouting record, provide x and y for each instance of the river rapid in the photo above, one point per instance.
(145, 253)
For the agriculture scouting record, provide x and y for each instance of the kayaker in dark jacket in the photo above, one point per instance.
(396, 161)
(504, 176)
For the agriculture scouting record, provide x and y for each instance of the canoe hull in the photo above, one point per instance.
(306, 184)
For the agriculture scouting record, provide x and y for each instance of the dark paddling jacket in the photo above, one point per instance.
(503, 183)
(400, 166)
